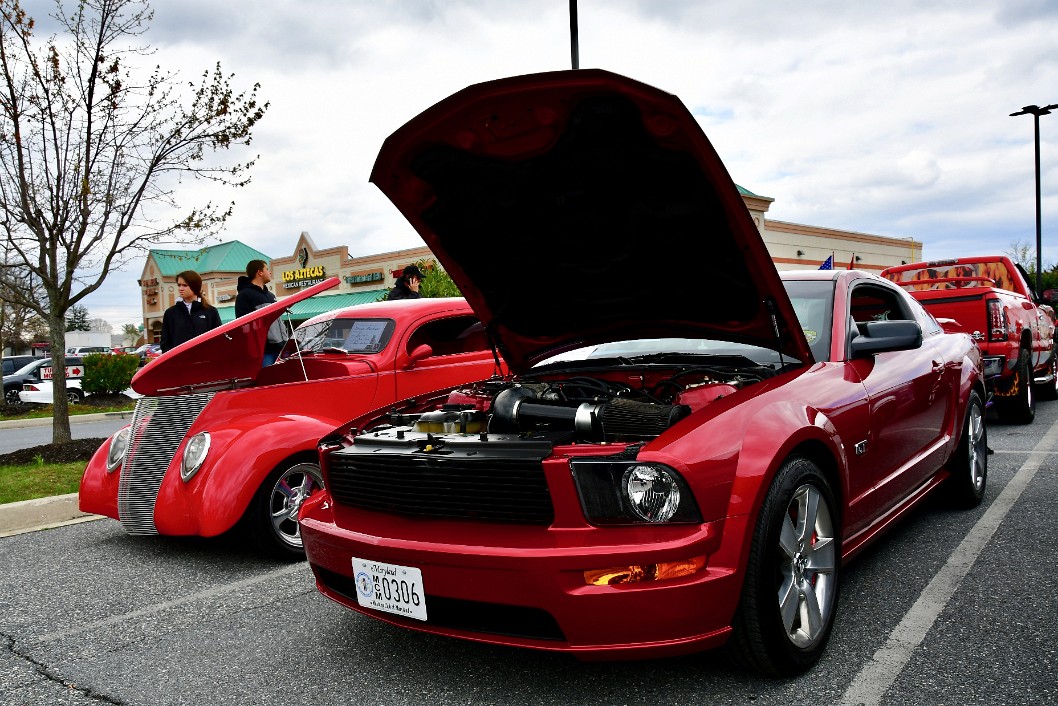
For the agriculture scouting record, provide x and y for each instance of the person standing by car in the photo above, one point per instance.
(407, 286)
(253, 294)
(189, 317)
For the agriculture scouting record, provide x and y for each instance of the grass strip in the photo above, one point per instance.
(39, 480)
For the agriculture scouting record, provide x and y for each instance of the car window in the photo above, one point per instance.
(348, 334)
(452, 335)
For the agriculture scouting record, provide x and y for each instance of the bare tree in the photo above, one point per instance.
(92, 150)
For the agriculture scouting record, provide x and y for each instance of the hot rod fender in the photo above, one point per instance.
(238, 462)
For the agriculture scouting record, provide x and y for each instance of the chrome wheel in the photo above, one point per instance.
(806, 564)
(977, 449)
(291, 489)
(11, 396)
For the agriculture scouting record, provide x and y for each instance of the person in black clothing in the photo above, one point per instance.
(252, 294)
(407, 287)
(191, 316)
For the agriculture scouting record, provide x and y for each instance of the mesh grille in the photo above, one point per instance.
(493, 489)
(158, 427)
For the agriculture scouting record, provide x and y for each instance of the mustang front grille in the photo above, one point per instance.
(158, 428)
(491, 489)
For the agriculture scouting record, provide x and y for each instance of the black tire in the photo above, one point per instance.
(790, 594)
(969, 465)
(11, 395)
(271, 519)
(74, 396)
(1049, 390)
(1019, 408)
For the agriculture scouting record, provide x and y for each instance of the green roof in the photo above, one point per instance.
(226, 257)
(745, 192)
(307, 308)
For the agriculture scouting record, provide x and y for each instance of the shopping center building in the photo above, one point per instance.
(367, 278)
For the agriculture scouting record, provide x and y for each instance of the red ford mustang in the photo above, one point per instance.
(219, 439)
(691, 446)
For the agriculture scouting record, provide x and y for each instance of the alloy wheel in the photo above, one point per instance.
(292, 488)
(807, 562)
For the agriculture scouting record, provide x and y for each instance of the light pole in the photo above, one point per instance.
(1036, 112)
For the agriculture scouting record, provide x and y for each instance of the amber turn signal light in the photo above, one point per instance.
(646, 572)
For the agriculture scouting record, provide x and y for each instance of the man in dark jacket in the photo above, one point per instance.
(252, 294)
(407, 287)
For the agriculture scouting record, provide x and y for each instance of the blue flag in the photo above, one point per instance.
(829, 264)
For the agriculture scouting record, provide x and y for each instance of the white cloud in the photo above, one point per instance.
(888, 118)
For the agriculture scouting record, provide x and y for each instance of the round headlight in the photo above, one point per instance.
(194, 454)
(119, 443)
(652, 493)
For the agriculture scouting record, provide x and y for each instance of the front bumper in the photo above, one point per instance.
(525, 586)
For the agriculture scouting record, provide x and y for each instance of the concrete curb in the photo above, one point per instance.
(41, 513)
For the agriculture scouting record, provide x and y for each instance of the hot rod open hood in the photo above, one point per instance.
(578, 207)
(231, 353)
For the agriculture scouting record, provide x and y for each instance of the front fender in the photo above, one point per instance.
(98, 493)
(238, 462)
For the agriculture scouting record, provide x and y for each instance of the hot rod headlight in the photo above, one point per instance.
(625, 492)
(119, 443)
(194, 454)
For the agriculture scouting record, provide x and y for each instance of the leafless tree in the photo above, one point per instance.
(93, 148)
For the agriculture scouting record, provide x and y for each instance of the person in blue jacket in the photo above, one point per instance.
(191, 316)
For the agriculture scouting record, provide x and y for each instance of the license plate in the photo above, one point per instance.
(390, 588)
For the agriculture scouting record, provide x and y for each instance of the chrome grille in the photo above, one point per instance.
(158, 428)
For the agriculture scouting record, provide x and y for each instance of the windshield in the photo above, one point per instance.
(345, 334)
(812, 302)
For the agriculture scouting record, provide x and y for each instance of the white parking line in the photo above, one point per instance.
(889, 661)
(158, 607)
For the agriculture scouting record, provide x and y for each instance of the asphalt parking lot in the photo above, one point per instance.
(949, 608)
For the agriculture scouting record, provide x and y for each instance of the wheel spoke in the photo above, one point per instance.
(788, 537)
(789, 605)
(814, 618)
(807, 523)
(283, 487)
(821, 557)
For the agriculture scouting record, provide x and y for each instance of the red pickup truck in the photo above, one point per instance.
(991, 299)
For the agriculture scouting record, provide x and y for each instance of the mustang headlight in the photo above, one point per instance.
(119, 443)
(625, 492)
(194, 454)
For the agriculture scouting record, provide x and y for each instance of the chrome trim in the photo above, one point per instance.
(159, 426)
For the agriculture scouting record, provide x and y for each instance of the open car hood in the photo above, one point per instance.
(232, 353)
(579, 207)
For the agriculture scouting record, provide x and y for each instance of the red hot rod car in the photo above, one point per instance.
(218, 438)
(698, 471)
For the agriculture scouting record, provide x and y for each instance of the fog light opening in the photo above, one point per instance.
(637, 573)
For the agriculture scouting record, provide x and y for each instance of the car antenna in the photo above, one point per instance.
(573, 41)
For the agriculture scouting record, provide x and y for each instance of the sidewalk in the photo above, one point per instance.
(41, 513)
(45, 513)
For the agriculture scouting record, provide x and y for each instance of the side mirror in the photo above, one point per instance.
(420, 353)
(885, 336)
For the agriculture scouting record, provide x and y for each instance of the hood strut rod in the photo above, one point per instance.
(770, 304)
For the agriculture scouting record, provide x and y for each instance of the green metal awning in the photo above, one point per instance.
(320, 304)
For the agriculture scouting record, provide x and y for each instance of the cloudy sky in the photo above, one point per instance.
(887, 118)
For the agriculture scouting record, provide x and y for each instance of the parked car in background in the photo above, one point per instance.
(42, 393)
(218, 439)
(148, 352)
(85, 350)
(12, 363)
(124, 349)
(727, 442)
(38, 370)
(991, 298)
